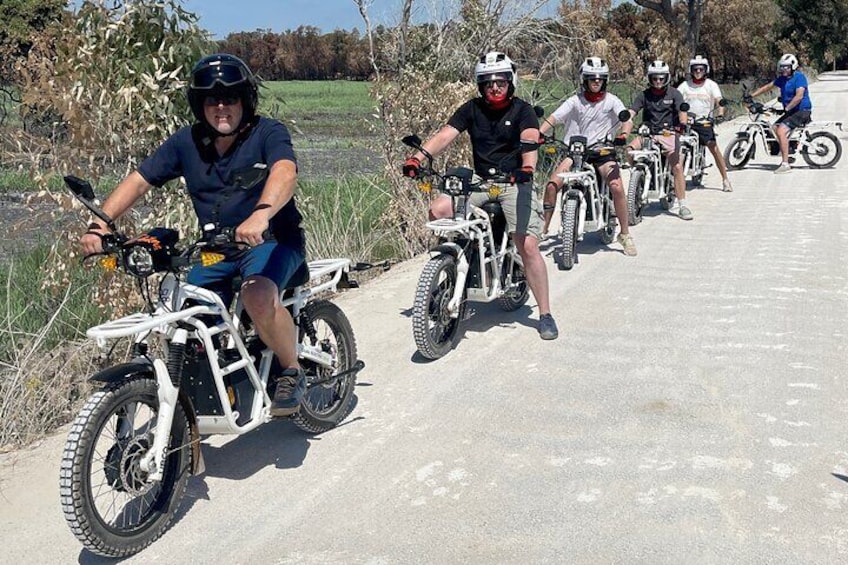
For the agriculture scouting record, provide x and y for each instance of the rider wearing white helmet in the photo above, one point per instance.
(592, 113)
(797, 107)
(504, 130)
(703, 96)
(660, 107)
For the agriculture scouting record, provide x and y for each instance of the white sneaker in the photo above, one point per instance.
(726, 186)
(783, 168)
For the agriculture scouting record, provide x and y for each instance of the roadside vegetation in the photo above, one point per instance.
(91, 93)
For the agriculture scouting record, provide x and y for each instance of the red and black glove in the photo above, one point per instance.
(411, 167)
(620, 140)
(680, 128)
(522, 175)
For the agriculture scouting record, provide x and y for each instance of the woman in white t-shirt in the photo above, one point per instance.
(703, 96)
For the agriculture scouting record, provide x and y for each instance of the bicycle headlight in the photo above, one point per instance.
(453, 186)
(139, 261)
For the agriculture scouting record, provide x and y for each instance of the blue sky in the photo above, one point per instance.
(221, 17)
(226, 16)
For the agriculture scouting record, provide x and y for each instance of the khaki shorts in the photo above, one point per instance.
(521, 207)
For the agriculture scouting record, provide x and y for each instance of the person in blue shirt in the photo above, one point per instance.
(795, 97)
(240, 172)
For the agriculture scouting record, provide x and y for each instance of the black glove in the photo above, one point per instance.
(718, 119)
(747, 99)
(522, 175)
(620, 140)
(680, 128)
(411, 167)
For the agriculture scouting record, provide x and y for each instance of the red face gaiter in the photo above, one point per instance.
(498, 102)
(594, 97)
(658, 91)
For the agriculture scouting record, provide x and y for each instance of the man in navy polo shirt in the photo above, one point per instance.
(797, 107)
(240, 171)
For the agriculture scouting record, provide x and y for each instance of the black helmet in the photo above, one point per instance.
(222, 74)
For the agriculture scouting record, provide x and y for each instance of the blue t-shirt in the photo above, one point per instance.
(225, 189)
(788, 86)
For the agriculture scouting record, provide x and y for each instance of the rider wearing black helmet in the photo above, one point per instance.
(240, 171)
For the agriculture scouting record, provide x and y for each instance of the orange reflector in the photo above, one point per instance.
(425, 187)
(494, 191)
(208, 258)
(550, 150)
(110, 263)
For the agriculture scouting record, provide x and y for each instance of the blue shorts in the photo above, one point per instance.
(272, 260)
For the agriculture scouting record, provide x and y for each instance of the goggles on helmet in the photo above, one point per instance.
(223, 75)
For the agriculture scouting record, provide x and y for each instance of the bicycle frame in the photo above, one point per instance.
(173, 324)
(650, 159)
(760, 127)
(472, 224)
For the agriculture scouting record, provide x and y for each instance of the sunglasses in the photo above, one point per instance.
(785, 67)
(699, 69)
(595, 79)
(220, 100)
(500, 83)
(658, 79)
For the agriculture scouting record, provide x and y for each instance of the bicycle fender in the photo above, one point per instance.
(447, 248)
(145, 368)
(123, 370)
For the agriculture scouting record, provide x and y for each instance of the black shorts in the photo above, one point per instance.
(705, 134)
(596, 159)
(797, 119)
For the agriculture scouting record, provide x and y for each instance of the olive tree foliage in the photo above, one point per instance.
(423, 73)
(114, 79)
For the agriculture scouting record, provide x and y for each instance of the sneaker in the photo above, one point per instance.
(685, 213)
(547, 327)
(726, 186)
(783, 168)
(291, 385)
(626, 241)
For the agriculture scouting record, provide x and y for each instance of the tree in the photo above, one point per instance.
(821, 26)
(689, 24)
(22, 21)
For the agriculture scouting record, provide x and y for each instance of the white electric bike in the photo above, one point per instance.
(198, 368)
(475, 259)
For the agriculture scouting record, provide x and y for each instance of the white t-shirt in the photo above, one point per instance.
(594, 120)
(702, 98)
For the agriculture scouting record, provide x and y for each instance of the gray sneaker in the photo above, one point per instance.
(685, 213)
(547, 327)
(291, 386)
(627, 243)
(783, 168)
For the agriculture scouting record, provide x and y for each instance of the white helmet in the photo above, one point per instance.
(658, 67)
(594, 67)
(788, 60)
(495, 65)
(701, 61)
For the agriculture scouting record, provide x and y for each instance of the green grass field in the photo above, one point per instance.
(320, 110)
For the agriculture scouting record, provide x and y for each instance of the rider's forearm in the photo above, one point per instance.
(438, 142)
(547, 125)
(124, 196)
(279, 188)
(799, 95)
(762, 89)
